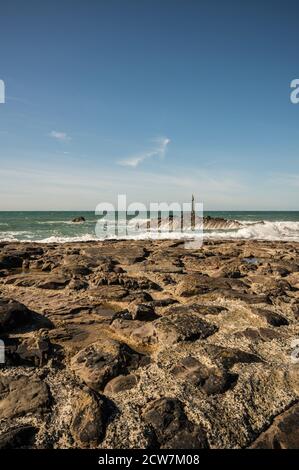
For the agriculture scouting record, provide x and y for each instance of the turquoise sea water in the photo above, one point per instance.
(58, 227)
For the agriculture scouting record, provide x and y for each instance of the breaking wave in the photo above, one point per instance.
(213, 229)
(82, 238)
(288, 231)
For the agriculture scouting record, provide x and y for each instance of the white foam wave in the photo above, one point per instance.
(288, 231)
(14, 233)
(8, 238)
(265, 230)
(82, 238)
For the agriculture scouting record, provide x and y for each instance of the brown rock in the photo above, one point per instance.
(23, 395)
(283, 432)
(143, 312)
(88, 423)
(210, 380)
(10, 262)
(99, 363)
(121, 383)
(164, 331)
(272, 318)
(171, 427)
(13, 315)
(197, 308)
(198, 284)
(227, 357)
(21, 437)
(54, 282)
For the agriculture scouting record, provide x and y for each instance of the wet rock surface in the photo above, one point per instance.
(133, 344)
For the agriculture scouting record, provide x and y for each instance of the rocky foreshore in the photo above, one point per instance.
(144, 344)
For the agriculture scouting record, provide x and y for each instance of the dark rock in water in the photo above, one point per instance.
(283, 432)
(218, 223)
(171, 427)
(21, 437)
(206, 222)
(79, 219)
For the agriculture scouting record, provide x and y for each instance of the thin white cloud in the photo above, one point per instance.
(62, 136)
(66, 186)
(159, 150)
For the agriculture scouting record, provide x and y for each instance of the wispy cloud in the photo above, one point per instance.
(159, 150)
(62, 136)
(66, 186)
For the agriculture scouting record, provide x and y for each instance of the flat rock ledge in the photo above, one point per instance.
(147, 344)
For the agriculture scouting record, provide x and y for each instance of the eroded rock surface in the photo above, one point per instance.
(133, 344)
(283, 432)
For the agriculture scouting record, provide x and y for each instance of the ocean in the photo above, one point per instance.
(57, 226)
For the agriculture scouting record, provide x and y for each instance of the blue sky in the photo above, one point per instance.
(152, 98)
